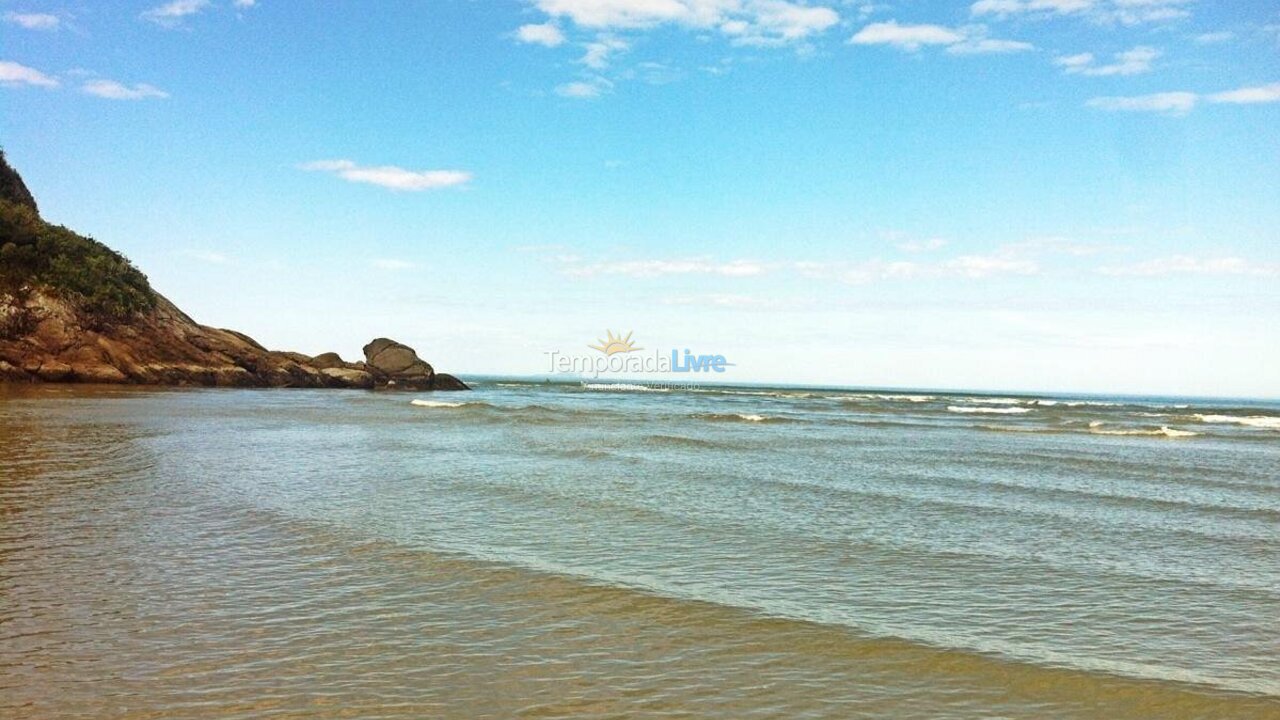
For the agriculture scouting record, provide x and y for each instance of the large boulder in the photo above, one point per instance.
(329, 360)
(394, 358)
(445, 381)
(348, 377)
(397, 365)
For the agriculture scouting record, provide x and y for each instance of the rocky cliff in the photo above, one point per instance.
(73, 310)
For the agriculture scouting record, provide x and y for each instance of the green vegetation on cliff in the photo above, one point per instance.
(101, 283)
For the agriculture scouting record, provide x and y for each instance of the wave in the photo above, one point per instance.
(1095, 428)
(743, 417)
(444, 404)
(681, 441)
(989, 410)
(1163, 430)
(1270, 422)
(890, 398)
(993, 400)
(756, 393)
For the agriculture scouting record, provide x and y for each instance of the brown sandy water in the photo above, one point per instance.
(560, 552)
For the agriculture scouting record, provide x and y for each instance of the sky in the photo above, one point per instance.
(1038, 195)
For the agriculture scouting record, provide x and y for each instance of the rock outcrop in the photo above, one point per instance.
(398, 365)
(60, 326)
(166, 347)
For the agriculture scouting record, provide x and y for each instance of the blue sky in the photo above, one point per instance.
(1075, 195)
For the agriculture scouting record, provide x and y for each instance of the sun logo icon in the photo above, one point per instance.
(614, 344)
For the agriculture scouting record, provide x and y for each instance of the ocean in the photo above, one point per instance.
(607, 551)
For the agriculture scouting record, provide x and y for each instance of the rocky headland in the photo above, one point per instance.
(73, 310)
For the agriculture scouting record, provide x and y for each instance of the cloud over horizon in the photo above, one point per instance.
(1180, 103)
(746, 22)
(1130, 62)
(1103, 12)
(14, 74)
(112, 90)
(33, 21)
(969, 40)
(390, 176)
(1192, 265)
(172, 14)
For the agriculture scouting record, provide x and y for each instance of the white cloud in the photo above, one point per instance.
(1074, 63)
(1123, 12)
(1006, 8)
(655, 268)
(1211, 38)
(1130, 62)
(391, 264)
(919, 246)
(655, 73)
(13, 74)
(1249, 95)
(970, 40)
(1013, 260)
(722, 300)
(585, 89)
(172, 13)
(1181, 103)
(598, 52)
(625, 13)
(545, 34)
(755, 22)
(988, 46)
(968, 267)
(112, 90)
(785, 21)
(906, 37)
(33, 21)
(390, 176)
(1053, 244)
(983, 266)
(1172, 103)
(1191, 265)
(244, 3)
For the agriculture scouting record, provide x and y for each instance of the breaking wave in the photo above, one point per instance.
(443, 404)
(1270, 422)
(988, 410)
(743, 417)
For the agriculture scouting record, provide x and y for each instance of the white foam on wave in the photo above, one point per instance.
(758, 393)
(753, 417)
(1164, 430)
(890, 398)
(1091, 403)
(989, 410)
(436, 403)
(994, 401)
(621, 387)
(1270, 422)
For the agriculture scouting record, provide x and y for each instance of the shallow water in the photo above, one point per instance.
(550, 551)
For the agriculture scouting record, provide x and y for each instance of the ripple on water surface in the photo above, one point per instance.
(257, 554)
